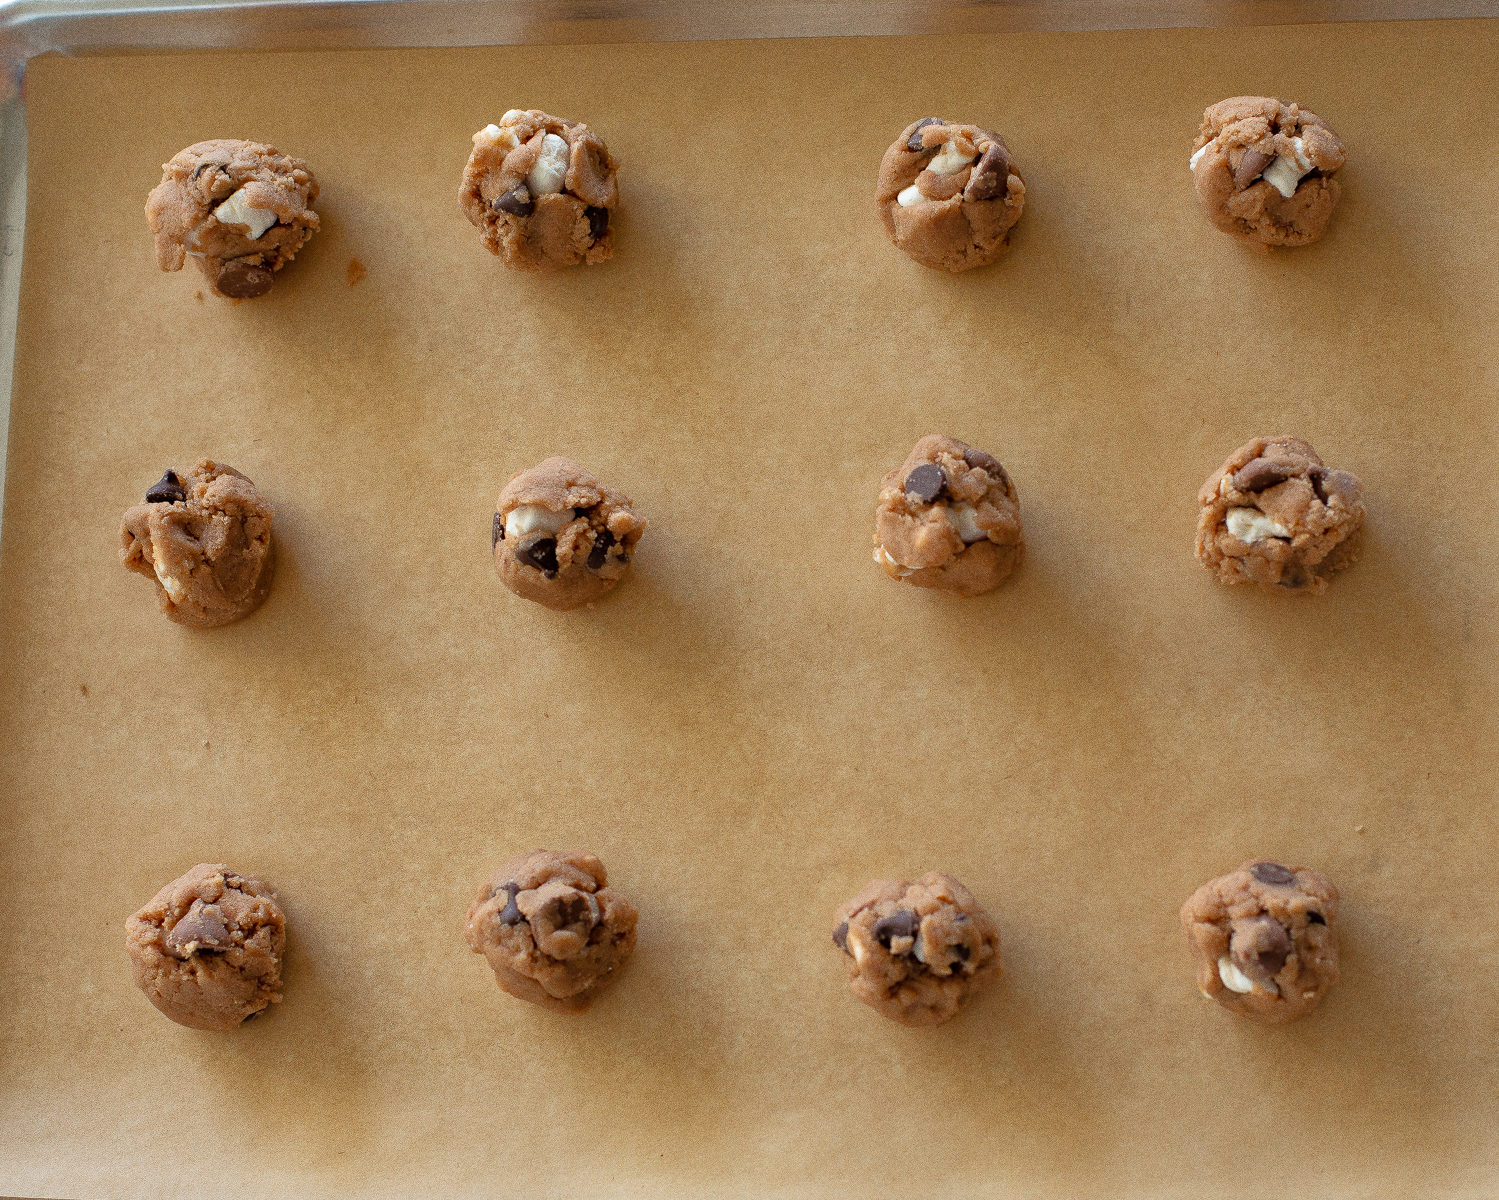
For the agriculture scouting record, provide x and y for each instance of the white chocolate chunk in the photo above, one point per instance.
(176, 589)
(909, 196)
(521, 521)
(1251, 525)
(856, 947)
(237, 210)
(964, 520)
(545, 178)
(1197, 156)
(882, 556)
(949, 160)
(1236, 981)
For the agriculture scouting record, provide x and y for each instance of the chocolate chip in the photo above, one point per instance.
(1250, 167)
(1259, 947)
(497, 535)
(840, 937)
(961, 951)
(1294, 577)
(1315, 918)
(166, 490)
(200, 928)
(1273, 874)
(598, 221)
(540, 552)
(240, 280)
(914, 141)
(901, 923)
(1318, 476)
(510, 914)
(1260, 473)
(991, 175)
(602, 540)
(517, 202)
(926, 482)
(572, 911)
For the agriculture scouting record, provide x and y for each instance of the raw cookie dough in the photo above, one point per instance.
(949, 193)
(205, 540)
(1264, 170)
(551, 929)
(207, 949)
(1265, 939)
(241, 209)
(948, 518)
(542, 191)
(914, 951)
(560, 537)
(1274, 515)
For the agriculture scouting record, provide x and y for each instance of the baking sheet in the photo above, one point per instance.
(759, 720)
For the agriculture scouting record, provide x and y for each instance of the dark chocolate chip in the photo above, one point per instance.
(1257, 475)
(901, 923)
(240, 280)
(200, 930)
(991, 175)
(1294, 577)
(1251, 166)
(251, 1016)
(572, 911)
(914, 141)
(1259, 947)
(1315, 918)
(510, 914)
(497, 534)
(961, 951)
(840, 937)
(166, 490)
(926, 482)
(517, 202)
(540, 552)
(602, 540)
(1318, 476)
(598, 221)
(1273, 874)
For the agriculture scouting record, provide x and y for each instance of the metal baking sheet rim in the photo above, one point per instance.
(29, 28)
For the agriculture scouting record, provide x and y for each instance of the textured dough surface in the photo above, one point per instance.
(966, 197)
(533, 229)
(207, 949)
(966, 538)
(209, 551)
(1277, 927)
(585, 557)
(551, 928)
(1274, 514)
(182, 213)
(915, 951)
(1239, 140)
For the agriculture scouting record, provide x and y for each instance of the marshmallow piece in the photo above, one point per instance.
(493, 135)
(950, 160)
(1251, 525)
(521, 521)
(964, 520)
(882, 556)
(1236, 981)
(545, 178)
(237, 210)
(1285, 173)
(909, 196)
(512, 115)
(1197, 157)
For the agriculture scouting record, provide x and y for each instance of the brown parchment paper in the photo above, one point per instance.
(759, 720)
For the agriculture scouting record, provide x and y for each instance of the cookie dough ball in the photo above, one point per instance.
(948, 194)
(204, 538)
(240, 209)
(1274, 515)
(551, 928)
(914, 951)
(561, 537)
(542, 191)
(1265, 940)
(1264, 170)
(948, 518)
(207, 949)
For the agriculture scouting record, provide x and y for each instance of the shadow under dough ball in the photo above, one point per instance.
(948, 518)
(242, 210)
(1275, 515)
(551, 928)
(916, 951)
(207, 949)
(542, 191)
(1265, 940)
(204, 539)
(562, 538)
(948, 194)
(1264, 170)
